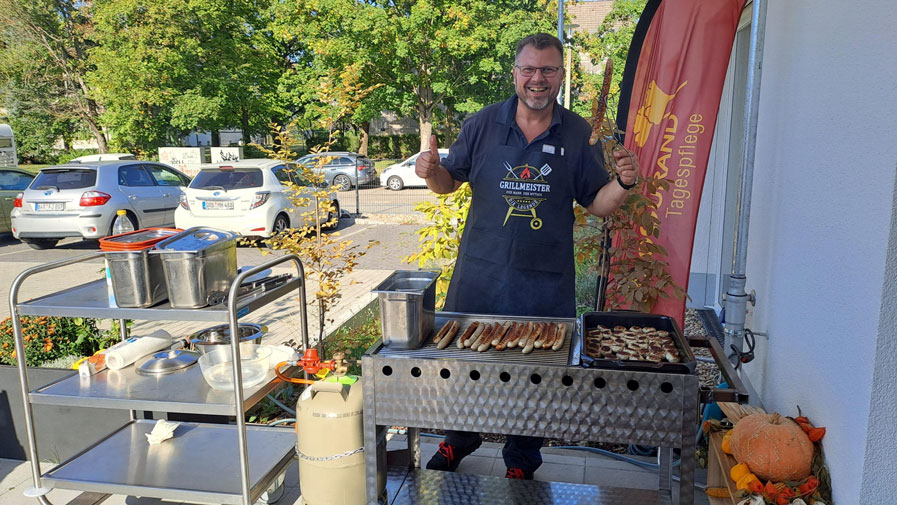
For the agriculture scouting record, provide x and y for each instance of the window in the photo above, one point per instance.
(14, 181)
(134, 176)
(227, 179)
(65, 179)
(344, 160)
(282, 174)
(298, 179)
(166, 177)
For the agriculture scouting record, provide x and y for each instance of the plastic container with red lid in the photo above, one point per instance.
(137, 240)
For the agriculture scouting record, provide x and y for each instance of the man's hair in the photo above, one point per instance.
(539, 41)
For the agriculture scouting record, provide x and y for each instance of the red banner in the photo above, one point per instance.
(673, 104)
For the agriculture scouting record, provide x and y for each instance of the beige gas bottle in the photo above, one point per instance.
(330, 445)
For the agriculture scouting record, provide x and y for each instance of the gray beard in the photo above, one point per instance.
(536, 105)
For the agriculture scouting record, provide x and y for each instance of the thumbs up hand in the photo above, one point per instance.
(428, 161)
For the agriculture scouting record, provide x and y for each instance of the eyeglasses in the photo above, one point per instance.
(531, 71)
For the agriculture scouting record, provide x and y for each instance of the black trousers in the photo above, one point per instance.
(518, 452)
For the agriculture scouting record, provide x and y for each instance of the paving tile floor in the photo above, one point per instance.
(559, 465)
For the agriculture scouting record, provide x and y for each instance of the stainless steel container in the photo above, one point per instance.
(208, 339)
(199, 263)
(138, 279)
(407, 307)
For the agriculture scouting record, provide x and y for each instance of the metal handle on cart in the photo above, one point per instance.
(736, 392)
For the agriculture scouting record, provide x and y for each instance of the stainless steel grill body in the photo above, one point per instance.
(537, 395)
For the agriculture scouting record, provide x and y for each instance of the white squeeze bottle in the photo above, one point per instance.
(121, 224)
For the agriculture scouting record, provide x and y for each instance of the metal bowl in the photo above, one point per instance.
(209, 338)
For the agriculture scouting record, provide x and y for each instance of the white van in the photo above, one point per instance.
(8, 155)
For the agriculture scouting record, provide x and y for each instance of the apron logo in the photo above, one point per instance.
(524, 188)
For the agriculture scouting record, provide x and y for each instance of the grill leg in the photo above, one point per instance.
(414, 447)
(665, 473)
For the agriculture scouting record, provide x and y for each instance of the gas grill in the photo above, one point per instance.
(545, 393)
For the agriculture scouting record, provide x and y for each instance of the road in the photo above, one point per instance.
(396, 241)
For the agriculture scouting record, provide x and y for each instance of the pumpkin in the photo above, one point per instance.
(774, 447)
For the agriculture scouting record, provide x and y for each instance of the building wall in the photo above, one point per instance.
(821, 221)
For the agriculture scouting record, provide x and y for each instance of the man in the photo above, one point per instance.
(526, 159)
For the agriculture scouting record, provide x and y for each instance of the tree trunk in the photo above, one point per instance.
(244, 125)
(98, 134)
(216, 138)
(364, 137)
(448, 128)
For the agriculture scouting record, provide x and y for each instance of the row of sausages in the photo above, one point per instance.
(502, 335)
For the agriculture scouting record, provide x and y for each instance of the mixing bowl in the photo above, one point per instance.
(217, 366)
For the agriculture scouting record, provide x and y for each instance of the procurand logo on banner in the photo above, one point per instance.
(670, 110)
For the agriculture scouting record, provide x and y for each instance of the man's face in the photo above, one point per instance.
(537, 91)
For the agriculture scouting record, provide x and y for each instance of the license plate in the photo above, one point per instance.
(221, 205)
(49, 206)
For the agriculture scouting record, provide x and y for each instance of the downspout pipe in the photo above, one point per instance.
(736, 298)
(561, 37)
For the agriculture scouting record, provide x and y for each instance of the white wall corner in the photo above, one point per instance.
(879, 484)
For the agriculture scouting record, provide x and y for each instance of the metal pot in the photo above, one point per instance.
(206, 340)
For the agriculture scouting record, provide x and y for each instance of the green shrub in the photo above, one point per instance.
(49, 338)
(395, 146)
(354, 339)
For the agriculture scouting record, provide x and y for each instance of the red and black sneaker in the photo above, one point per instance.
(518, 473)
(448, 457)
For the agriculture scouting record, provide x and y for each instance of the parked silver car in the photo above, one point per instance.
(343, 170)
(81, 199)
(12, 182)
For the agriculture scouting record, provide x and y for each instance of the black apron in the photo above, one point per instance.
(516, 255)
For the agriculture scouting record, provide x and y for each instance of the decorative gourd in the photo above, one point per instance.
(774, 447)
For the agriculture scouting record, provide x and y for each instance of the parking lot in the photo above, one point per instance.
(375, 200)
(396, 241)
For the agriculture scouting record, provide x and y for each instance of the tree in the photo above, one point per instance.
(325, 258)
(45, 61)
(168, 67)
(611, 40)
(458, 53)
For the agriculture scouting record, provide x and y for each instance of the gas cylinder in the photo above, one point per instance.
(330, 445)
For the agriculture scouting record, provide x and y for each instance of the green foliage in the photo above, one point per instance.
(49, 338)
(638, 275)
(611, 40)
(325, 258)
(396, 146)
(440, 240)
(354, 340)
(42, 68)
(167, 67)
(267, 410)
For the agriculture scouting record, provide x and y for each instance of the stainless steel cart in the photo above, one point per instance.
(227, 464)
(541, 394)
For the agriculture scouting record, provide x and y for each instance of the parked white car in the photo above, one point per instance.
(248, 197)
(103, 157)
(401, 175)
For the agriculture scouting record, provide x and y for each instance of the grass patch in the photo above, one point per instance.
(355, 337)
(32, 168)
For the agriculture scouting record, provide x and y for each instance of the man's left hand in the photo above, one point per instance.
(627, 165)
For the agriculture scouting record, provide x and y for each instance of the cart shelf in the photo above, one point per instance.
(92, 300)
(184, 391)
(215, 463)
(202, 466)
